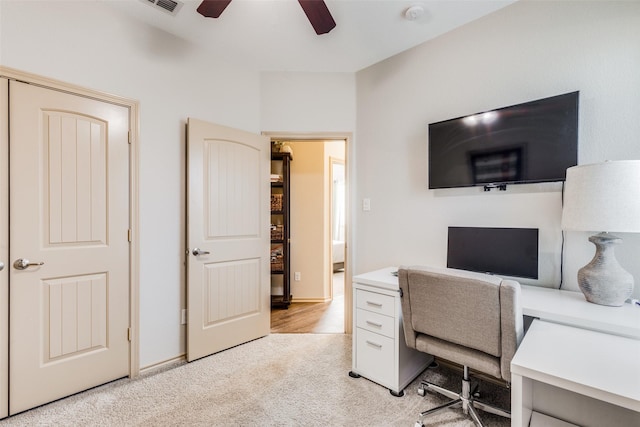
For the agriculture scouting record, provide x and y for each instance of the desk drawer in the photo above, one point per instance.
(375, 322)
(375, 357)
(374, 302)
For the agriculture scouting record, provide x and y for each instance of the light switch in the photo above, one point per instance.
(366, 204)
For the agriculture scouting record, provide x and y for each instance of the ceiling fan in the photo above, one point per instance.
(316, 11)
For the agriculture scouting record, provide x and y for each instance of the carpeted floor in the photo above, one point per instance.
(279, 380)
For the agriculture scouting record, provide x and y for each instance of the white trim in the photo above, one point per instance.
(4, 252)
(165, 365)
(314, 300)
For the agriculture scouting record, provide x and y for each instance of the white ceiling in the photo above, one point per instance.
(275, 35)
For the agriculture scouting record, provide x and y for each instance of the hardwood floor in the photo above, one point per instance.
(310, 317)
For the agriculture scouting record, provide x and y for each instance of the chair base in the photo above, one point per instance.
(465, 399)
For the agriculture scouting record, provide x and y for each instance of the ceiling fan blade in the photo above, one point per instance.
(319, 15)
(212, 8)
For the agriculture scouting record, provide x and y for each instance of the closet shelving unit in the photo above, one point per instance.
(280, 229)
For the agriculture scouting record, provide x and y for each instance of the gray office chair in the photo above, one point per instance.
(470, 319)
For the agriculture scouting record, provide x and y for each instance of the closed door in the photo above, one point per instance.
(69, 244)
(228, 284)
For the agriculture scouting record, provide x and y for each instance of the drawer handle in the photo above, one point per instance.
(375, 344)
(375, 304)
(377, 325)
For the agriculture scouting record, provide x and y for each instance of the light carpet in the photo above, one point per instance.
(279, 380)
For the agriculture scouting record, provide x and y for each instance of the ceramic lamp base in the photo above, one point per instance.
(603, 281)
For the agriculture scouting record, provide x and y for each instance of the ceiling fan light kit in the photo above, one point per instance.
(316, 10)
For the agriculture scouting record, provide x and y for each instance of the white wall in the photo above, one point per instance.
(526, 51)
(307, 102)
(91, 45)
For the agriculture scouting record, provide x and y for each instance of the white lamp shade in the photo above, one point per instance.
(603, 197)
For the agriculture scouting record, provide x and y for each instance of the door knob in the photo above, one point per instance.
(23, 264)
(198, 251)
(1, 265)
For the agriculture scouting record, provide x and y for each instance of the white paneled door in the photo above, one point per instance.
(228, 285)
(69, 244)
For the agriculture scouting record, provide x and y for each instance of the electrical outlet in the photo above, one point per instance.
(366, 205)
(184, 316)
(297, 276)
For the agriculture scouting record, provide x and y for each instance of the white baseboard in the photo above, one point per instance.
(311, 300)
(161, 366)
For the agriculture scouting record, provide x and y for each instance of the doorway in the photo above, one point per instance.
(319, 259)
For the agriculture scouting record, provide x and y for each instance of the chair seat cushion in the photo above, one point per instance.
(461, 355)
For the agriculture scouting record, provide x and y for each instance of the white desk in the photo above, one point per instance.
(595, 357)
(379, 350)
(571, 308)
(382, 278)
(584, 362)
(552, 305)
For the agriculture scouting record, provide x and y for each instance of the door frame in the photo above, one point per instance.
(332, 162)
(134, 130)
(4, 252)
(347, 137)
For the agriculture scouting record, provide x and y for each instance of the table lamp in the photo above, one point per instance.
(603, 197)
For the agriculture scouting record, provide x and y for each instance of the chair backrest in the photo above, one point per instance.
(473, 310)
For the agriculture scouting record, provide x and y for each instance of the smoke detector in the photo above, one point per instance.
(171, 7)
(414, 12)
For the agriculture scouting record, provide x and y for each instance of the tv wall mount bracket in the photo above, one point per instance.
(501, 187)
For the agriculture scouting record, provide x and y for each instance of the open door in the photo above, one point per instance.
(228, 282)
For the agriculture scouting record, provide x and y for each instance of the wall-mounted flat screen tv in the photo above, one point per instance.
(532, 142)
(500, 251)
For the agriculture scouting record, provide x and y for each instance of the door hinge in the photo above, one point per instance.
(129, 137)
(129, 333)
(129, 235)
